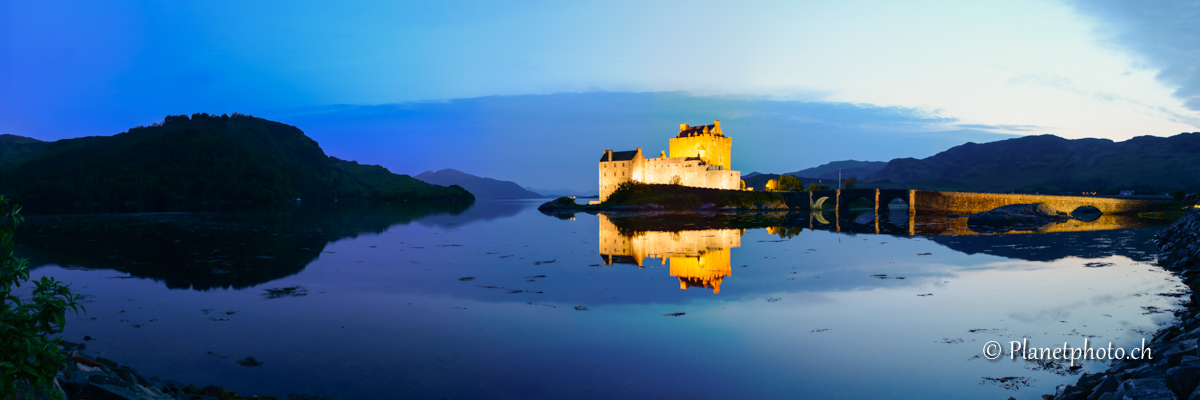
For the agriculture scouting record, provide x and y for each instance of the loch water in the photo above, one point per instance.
(496, 300)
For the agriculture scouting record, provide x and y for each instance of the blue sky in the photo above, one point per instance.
(506, 89)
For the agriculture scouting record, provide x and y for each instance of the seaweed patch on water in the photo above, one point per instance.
(290, 291)
(818, 330)
(773, 299)
(884, 276)
(1009, 382)
(1053, 367)
(1152, 310)
(545, 262)
(467, 278)
(581, 308)
(674, 314)
(1098, 264)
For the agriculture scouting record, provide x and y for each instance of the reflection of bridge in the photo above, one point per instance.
(925, 202)
(937, 225)
(699, 258)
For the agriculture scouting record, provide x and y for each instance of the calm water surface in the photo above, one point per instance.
(496, 300)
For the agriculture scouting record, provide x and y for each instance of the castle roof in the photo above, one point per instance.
(700, 130)
(619, 155)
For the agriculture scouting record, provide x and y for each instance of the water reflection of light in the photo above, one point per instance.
(699, 258)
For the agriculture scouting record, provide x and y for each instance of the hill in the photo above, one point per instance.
(848, 168)
(15, 148)
(204, 158)
(483, 188)
(1051, 164)
(387, 185)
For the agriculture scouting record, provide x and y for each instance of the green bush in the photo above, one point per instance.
(814, 187)
(627, 190)
(790, 183)
(29, 359)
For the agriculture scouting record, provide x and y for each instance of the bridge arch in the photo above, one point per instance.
(819, 203)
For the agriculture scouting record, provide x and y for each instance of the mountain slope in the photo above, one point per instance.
(483, 188)
(201, 158)
(15, 148)
(1049, 163)
(848, 168)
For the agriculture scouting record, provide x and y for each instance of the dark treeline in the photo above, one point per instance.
(203, 158)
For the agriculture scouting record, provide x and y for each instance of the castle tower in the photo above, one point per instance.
(706, 142)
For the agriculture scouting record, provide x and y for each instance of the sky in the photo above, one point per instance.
(534, 91)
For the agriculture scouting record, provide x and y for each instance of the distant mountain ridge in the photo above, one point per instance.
(202, 158)
(848, 168)
(483, 188)
(1049, 164)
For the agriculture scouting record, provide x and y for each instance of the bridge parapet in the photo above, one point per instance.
(931, 202)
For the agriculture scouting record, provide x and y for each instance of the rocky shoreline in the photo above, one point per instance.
(1173, 371)
(96, 378)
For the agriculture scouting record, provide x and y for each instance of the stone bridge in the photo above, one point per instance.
(926, 202)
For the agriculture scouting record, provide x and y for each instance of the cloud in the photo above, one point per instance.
(554, 140)
(1005, 128)
(1162, 32)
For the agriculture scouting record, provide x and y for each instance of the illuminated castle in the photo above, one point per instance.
(699, 258)
(699, 158)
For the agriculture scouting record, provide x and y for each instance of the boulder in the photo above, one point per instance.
(561, 203)
(1015, 217)
(1145, 389)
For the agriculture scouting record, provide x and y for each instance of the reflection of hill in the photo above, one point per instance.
(482, 210)
(203, 251)
(699, 258)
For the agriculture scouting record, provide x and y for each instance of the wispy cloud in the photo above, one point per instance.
(1162, 32)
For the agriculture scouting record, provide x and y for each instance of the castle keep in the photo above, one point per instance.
(699, 158)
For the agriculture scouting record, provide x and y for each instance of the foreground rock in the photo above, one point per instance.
(95, 378)
(1015, 217)
(1173, 371)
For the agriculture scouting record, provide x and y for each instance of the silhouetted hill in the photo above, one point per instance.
(1050, 164)
(388, 185)
(848, 168)
(15, 148)
(201, 158)
(484, 188)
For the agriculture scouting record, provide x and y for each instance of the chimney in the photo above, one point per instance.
(608, 153)
(683, 127)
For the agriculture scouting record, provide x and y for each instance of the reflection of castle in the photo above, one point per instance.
(698, 258)
(699, 157)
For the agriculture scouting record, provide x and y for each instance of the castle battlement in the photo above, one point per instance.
(699, 157)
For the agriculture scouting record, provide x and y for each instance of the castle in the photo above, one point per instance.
(699, 158)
